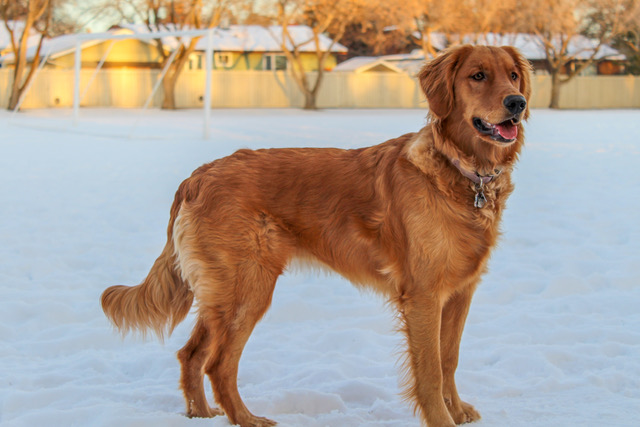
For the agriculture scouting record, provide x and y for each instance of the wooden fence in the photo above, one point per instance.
(129, 88)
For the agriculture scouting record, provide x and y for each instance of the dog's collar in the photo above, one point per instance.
(479, 180)
(474, 175)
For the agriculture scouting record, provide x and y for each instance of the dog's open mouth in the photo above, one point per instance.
(506, 131)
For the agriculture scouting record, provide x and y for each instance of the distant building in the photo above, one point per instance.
(402, 62)
(254, 47)
(608, 59)
(132, 53)
(239, 47)
(367, 64)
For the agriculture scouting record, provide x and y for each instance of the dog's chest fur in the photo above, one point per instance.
(450, 238)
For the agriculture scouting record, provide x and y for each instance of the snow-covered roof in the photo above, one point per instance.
(410, 63)
(255, 38)
(361, 64)
(252, 38)
(353, 64)
(415, 54)
(530, 45)
(236, 38)
(62, 45)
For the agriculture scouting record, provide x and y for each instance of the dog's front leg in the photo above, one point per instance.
(421, 312)
(454, 315)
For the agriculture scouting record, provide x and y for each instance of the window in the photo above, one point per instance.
(195, 61)
(223, 60)
(274, 62)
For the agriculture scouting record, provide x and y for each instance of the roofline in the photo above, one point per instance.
(86, 40)
(267, 50)
(91, 43)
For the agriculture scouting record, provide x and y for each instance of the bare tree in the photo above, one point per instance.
(560, 26)
(321, 16)
(249, 12)
(22, 19)
(384, 28)
(428, 17)
(458, 21)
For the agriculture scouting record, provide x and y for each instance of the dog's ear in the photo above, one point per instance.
(525, 69)
(436, 79)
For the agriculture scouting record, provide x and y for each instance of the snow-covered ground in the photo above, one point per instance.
(553, 337)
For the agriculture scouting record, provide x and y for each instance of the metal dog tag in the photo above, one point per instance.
(480, 200)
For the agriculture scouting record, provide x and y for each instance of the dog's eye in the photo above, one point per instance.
(479, 76)
(514, 76)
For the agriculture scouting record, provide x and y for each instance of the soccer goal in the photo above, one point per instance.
(80, 91)
(208, 34)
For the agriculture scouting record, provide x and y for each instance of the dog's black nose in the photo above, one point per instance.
(515, 104)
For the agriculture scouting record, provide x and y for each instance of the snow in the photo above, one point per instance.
(530, 45)
(63, 45)
(236, 38)
(251, 38)
(361, 64)
(353, 64)
(552, 339)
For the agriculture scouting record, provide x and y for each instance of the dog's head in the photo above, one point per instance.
(479, 93)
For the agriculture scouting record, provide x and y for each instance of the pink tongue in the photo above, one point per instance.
(507, 130)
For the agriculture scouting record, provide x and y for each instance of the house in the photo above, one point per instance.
(238, 47)
(130, 53)
(409, 63)
(254, 47)
(608, 59)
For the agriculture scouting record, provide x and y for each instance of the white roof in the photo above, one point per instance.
(252, 38)
(528, 44)
(580, 47)
(61, 45)
(415, 54)
(410, 63)
(236, 38)
(354, 63)
(360, 64)
(256, 38)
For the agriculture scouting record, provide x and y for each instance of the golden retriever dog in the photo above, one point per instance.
(414, 218)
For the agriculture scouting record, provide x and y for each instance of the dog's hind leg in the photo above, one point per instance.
(454, 315)
(232, 263)
(232, 322)
(193, 357)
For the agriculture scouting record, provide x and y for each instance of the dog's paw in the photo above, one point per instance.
(203, 412)
(254, 421)
(466, 413)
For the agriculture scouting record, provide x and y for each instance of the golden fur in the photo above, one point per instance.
(396, 217)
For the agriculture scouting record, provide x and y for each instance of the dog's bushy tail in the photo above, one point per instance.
(158, 304)
(161, 301)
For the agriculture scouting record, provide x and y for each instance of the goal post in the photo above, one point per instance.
(81, 38)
